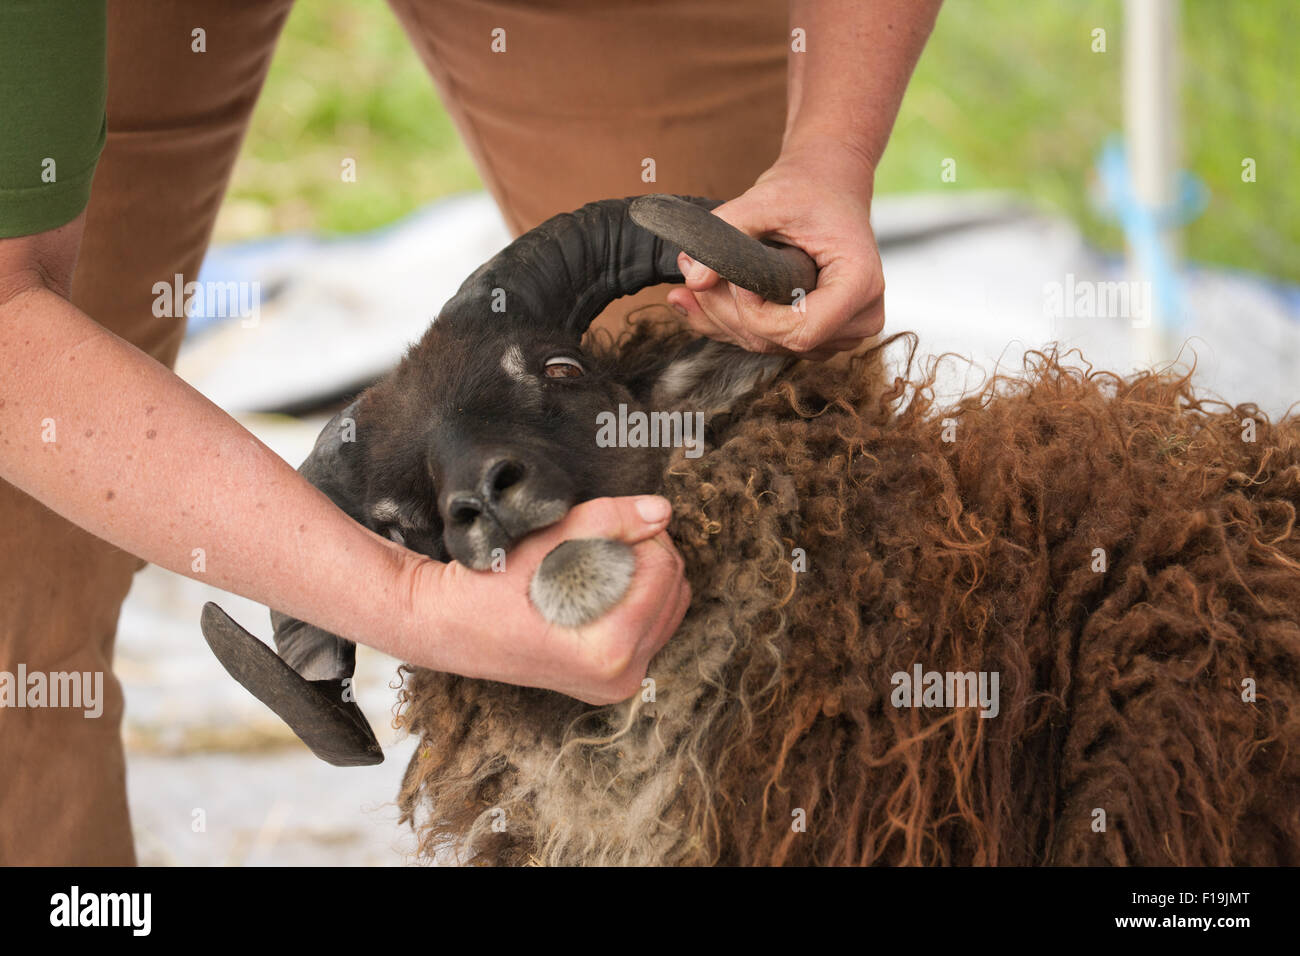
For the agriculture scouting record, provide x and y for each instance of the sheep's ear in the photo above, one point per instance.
(711, 376)
(333, 465)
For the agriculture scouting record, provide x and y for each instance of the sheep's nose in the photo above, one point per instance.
(500, 476)
(464, 509)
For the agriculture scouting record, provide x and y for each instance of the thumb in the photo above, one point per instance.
(629, 519)
(696, 275)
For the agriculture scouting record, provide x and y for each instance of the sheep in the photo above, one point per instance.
(1111, 555)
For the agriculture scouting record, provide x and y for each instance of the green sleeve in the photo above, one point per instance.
(53, 86)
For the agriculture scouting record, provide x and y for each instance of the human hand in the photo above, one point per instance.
(487, 627)
(817, 196)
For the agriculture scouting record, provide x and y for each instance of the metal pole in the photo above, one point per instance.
(1151, 70)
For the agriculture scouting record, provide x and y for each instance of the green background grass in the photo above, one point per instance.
(1010, 89)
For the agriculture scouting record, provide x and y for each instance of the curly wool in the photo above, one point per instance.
(1121, 690)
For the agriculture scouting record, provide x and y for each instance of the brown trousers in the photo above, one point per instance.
(586, 90)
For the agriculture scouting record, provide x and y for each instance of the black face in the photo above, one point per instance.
(468, 449)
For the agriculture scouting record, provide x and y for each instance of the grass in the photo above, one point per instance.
(1009, 89)
(344, 84)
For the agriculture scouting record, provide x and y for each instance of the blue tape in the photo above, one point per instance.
(1142, 224)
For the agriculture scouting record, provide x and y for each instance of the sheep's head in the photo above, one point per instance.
(473, 443)
(491, 427)
(499, 421)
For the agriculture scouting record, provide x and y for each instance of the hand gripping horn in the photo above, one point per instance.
(778, 272)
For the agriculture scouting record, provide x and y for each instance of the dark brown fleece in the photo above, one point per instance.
(772, 738)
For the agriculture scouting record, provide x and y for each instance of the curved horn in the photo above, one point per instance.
(775, 271)
(308, 683)
(320, 712)
(563, 272)
(570, 267)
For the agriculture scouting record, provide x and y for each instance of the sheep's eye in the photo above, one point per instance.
(561, 366)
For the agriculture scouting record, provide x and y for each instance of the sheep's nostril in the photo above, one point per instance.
(501, 477)
(464, 510)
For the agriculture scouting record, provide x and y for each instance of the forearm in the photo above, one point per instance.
(848, 70)
(116, 443)
(848, 84)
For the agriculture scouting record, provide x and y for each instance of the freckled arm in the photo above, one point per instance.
(116, 443)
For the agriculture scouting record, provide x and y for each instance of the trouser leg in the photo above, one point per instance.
(176, 118)
(588, 91)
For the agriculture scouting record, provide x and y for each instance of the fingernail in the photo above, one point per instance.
(680, 310)
(653, 509)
